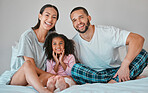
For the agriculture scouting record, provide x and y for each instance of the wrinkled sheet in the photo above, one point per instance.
(16, 89)
(133, 86)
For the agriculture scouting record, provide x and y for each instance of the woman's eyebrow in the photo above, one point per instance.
(49, 14)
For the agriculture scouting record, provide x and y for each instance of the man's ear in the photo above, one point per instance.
(89, 18)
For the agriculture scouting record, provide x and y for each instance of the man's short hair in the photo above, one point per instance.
(79, 8)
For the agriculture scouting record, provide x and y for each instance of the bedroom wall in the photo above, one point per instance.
(16, 16)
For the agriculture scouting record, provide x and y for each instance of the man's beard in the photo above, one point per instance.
(86, 27)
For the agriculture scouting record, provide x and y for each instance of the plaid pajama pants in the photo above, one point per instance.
(83, 74)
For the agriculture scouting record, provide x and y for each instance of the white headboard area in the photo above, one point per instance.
(16, 16)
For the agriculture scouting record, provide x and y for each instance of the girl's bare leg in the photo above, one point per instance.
(60, 83)
(51, 83)
(28, 75)
(44, 78)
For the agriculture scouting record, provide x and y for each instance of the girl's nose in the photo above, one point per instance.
(58, 45)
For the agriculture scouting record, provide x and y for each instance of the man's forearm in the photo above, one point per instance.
(134, 48)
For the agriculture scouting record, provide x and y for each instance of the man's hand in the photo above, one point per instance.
(123, 73)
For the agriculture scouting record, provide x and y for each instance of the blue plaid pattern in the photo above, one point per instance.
(83, 74)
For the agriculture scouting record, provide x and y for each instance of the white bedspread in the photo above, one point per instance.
(16, 89)
(133, 86)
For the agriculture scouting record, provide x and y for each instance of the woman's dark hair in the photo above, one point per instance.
(41, 12)
(69, 45)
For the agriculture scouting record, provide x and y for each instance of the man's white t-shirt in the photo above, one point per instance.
(102, 51)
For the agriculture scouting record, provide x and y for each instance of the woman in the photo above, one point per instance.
(28, 59)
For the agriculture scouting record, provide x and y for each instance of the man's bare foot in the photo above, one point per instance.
(61, 84)
(139, 77)
(112, 81)
(51, 83)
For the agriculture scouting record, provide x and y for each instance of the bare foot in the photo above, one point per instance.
(139, 77)
(112, 81)
(60, 83)
(57, 77)
(51, 83)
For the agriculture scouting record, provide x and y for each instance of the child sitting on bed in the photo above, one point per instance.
(60, 59)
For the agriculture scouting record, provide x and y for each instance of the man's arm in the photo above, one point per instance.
(135, 43)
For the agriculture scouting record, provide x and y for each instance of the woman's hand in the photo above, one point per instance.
(123, 73)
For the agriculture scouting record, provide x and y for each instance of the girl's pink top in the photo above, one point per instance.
(68, 60)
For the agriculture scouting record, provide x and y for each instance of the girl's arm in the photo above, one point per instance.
(56, 61)
(50, 67)
(39, 71)
(63, 65)
(71, 61)
(61, 60)
(56, 67)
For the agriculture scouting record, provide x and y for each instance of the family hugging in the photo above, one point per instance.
(48, 61)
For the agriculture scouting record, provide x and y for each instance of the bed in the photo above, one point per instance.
(133, 86)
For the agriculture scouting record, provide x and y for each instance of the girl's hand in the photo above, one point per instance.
(61, 56)
(61, 60)
(123, 73)
(55, 56)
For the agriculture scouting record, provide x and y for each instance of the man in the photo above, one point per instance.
(97, 50)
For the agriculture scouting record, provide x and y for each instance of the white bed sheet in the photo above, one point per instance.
(16, 89)
(133, 86)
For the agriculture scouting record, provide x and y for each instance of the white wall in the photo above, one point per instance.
(16, 16)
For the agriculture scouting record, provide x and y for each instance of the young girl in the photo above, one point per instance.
(60, 54)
